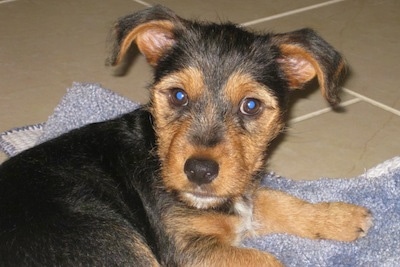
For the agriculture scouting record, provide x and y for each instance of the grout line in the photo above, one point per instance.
(373, 102)
(288, 13)
(6, 1)
(142, 3)
(323, 111)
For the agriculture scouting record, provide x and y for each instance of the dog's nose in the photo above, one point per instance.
(201, 171)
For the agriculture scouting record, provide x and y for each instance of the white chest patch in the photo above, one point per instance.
(245, 211)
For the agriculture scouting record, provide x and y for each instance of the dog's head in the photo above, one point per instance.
(219, 95)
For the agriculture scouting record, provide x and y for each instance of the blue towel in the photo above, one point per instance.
(378, 189)
(85, 103)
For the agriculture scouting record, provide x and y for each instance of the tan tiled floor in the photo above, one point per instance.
(46, 45)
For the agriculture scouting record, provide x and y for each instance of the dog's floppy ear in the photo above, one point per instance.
(151, 29)
(304, 55)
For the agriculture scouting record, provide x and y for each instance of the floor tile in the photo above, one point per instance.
(228, 10)
(367, 32)
(304, 102)
(47, 45)
(337, 144)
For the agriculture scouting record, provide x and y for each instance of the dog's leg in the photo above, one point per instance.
(229, 256)
(210, 239)
(278, 212)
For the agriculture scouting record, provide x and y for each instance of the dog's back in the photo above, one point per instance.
(68, 201)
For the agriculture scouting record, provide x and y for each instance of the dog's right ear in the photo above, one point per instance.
(305, 55)
(151, 29)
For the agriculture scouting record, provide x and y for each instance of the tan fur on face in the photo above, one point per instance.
(239, 154)
(191, 80)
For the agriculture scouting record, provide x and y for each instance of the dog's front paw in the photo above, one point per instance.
(344, 222)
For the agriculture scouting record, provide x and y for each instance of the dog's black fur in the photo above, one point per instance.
(96, 196)
(75, 200)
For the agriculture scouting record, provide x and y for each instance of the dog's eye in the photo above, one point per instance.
(250, 106)
(178, 97)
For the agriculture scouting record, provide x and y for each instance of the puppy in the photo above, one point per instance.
(176, 182)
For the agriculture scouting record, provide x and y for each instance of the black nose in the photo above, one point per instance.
(201, 171)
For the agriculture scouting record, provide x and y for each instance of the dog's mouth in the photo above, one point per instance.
(202, 200)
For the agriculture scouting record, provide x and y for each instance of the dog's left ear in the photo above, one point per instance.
(151, 29)
(304, 55)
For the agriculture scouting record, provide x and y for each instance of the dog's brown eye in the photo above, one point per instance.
(178, 97)
(250, 106)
